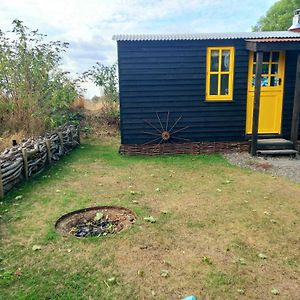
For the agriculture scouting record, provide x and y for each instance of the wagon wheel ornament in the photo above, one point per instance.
(164, 134)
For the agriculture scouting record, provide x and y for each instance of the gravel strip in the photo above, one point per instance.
(277, 166)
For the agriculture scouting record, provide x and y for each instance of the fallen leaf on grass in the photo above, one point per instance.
(262, 256)
(274, 291)
(207, 260)
(166, 262)
(112, 280)
(19, 197)
(150, 219)
(227, 181)
(36, 247)
(164, 273)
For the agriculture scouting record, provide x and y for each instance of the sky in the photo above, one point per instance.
(88, 25)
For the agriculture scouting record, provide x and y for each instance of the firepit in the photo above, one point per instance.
(95, 221)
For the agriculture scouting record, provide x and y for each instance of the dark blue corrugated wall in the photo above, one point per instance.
(162, 76)
(289, 88)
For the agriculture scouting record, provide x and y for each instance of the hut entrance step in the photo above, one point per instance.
(275, 146)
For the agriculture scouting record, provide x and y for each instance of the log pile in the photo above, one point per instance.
(31, 156)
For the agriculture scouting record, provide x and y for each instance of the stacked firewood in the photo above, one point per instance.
(30, 157)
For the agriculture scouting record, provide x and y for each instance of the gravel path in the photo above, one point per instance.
(277, 166)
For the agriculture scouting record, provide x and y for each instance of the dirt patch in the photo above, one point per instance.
(95, 221)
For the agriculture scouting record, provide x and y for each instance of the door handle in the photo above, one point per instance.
(279, 81)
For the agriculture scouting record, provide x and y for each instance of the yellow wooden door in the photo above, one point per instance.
(271, 97)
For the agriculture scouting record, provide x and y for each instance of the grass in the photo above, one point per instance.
(212, 222)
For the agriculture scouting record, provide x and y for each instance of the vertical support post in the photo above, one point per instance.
(61, 143)
(1, 184)
(25, 162)
(78, 134)
(296, 107)
(48, 146)
(255, 118)
(72, 138)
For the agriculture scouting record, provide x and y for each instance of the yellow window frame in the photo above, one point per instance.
(230, 72)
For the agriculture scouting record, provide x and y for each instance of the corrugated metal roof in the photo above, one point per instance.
(206, 36)
(274, 40)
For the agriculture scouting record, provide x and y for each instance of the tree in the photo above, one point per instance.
(105, 77)
(278, 17)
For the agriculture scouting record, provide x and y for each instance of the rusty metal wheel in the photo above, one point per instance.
(166, 133)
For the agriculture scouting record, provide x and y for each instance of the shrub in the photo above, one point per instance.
(110, 113)
(34, 92)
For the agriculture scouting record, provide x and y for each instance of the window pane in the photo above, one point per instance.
(266, 57)
(224, 84)
(274, 81)
(213, 84)
(274, 69)
(265, 69)
(214, 60)
(275, 56)
(225, 60)
(264, 80)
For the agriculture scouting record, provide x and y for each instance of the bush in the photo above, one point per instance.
(34, 92)
(110, 113)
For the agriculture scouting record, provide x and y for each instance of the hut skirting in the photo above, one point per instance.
(184, 148)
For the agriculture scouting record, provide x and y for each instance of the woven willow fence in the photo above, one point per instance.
(30, 157)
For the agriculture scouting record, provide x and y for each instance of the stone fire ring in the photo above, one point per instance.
(123, 216)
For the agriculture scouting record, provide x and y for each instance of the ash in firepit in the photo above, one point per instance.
(100, 225)
(95, 221)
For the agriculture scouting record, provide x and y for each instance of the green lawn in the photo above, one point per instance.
(221, 232)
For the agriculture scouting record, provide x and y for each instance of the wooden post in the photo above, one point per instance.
(296, 108)
(255, 118)
(49, 155)
(78, 135)
(25, 162)
(61, 143)
(1, 184)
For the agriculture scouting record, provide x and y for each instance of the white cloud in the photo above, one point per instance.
(89, 25)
